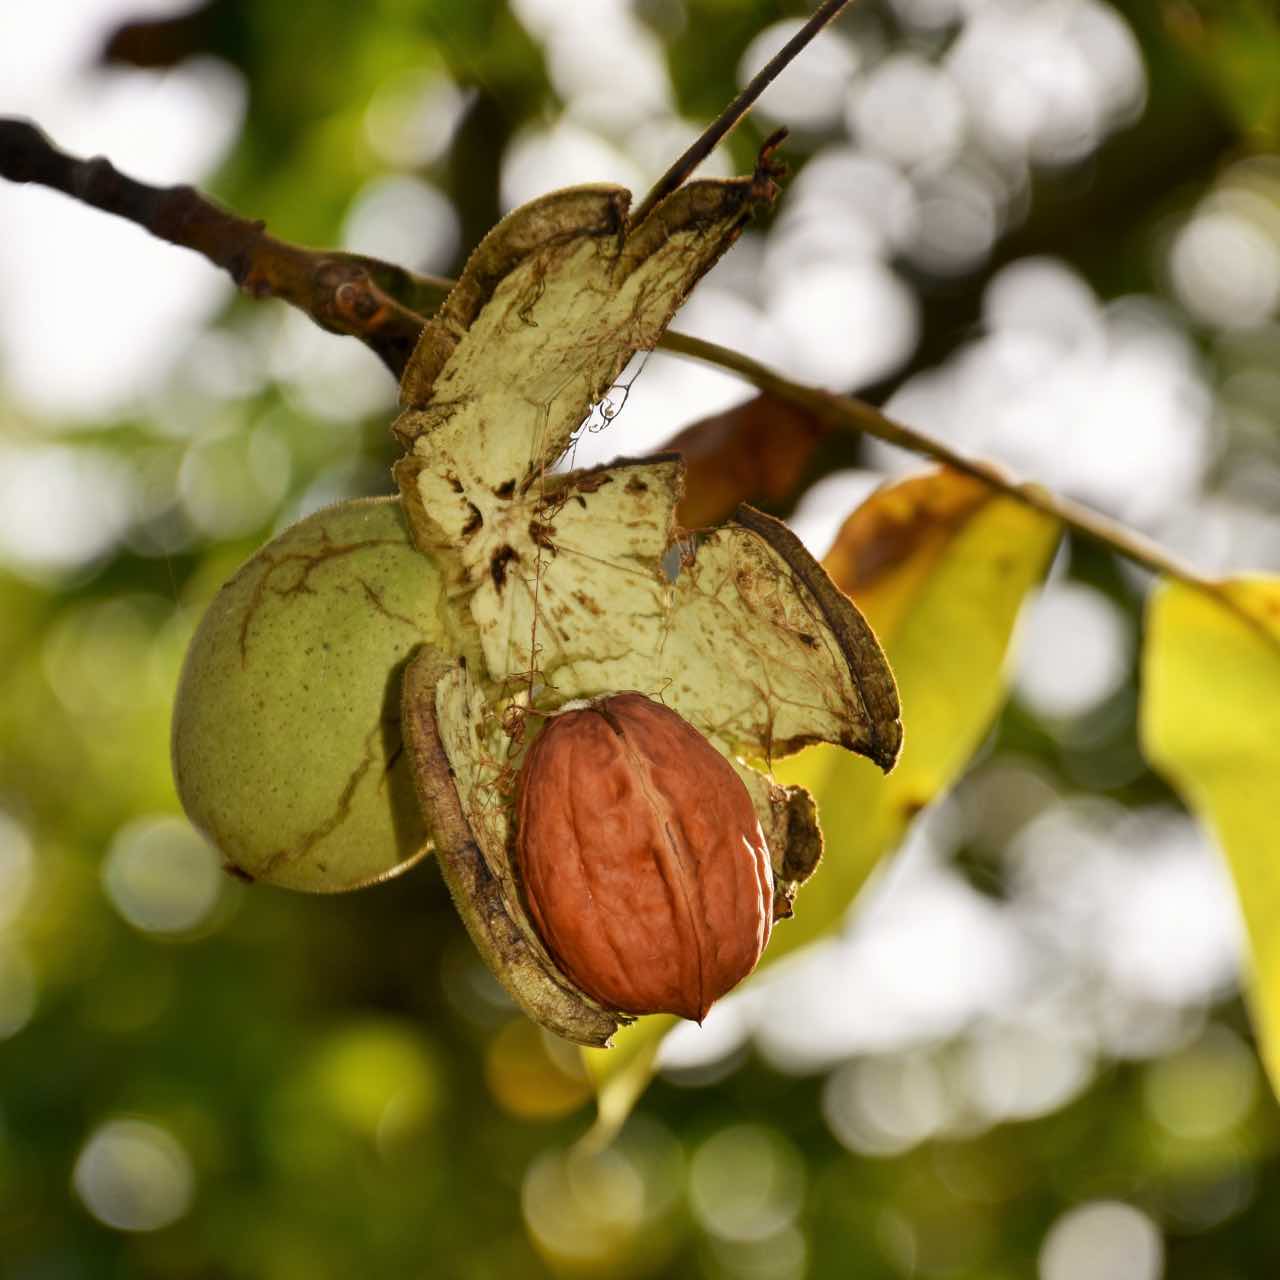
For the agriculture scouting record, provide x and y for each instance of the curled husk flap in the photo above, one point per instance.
(549, 308)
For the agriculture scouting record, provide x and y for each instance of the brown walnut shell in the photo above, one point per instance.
(643, 862)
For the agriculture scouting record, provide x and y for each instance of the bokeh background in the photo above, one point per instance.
(1046, 230)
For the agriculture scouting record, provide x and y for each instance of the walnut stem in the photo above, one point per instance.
(728, 119)
(385, 306)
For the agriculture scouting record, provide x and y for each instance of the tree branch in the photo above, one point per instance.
(381, 304)
(849, 414)
(385, 306)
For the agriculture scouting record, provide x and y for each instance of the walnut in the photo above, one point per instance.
(643, 863)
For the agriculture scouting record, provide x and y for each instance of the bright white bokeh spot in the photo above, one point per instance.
(327, 375)
(841, 177)
(74, 349)
(1145, 447)
(958, 217)
(654, 143)
(163, 127)
(821, 513)
(1226, 269)
(689, 1046)
(545, 158)
(1102, 1240)
(44, 47)
(1046, 298)
(412, 116)
(1113, 55)
(746, 1183)
(1116, 930)
(909, 110)
(884, 1106)
(1014, 1072)
(1113, 407)
(738, 272)
(162, 876)
(222, 364)
(403, 220)
(1139, 898)
(846, 324)
(17, 869)
(541, 17)
(1075, 651)
(1048, 80)
(811, 93)
(845, 205)
(134, 1176)
(877, 989)
(610, 72)
(61, 508)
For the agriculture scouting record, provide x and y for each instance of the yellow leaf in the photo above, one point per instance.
(622, 1073)
(939, 565)
(1210, 722)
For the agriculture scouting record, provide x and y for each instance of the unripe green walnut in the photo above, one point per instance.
(286, 729)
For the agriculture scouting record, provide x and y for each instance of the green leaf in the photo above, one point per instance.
(939, 564)
(1210, 722)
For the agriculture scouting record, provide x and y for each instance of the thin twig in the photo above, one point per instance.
(843, 412)
(725, 122)
(385, 306)
(849, 414)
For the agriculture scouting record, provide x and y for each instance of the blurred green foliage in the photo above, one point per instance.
(203, 1079)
